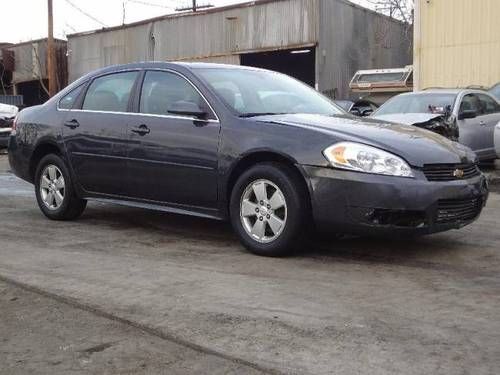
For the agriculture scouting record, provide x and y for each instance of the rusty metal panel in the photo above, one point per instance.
(91, 51)
(205, 35)
(457, 43)
(30, 60)
(353, 38)
(268, 25)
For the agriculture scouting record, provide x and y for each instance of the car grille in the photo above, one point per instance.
(453, 210)
(447, 172)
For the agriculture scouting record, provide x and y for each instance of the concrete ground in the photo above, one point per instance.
(125, 288)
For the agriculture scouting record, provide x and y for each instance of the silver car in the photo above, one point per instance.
(497, 139)
(468, 116)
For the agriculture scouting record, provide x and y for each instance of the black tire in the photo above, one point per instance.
(298, 215)
(72, 206)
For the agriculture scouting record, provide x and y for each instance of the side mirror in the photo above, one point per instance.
(469, 113)
(186, 109)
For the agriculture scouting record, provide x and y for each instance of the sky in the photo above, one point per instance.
(71, 16)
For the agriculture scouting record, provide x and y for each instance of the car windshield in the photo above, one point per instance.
(252, 92)
(418, 103)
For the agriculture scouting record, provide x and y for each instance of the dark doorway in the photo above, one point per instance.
(33, 92)
(298, 63)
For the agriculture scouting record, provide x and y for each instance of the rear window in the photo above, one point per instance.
(418, 103)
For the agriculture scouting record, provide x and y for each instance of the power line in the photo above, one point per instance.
(85, 13)
(150, 4)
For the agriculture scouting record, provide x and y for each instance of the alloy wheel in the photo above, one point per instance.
(263, 211)
(52, 187)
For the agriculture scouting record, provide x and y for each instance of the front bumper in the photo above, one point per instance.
(361, 203)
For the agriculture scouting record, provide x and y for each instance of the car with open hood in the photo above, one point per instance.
(7, 114)
(466, 116)
(258, 148)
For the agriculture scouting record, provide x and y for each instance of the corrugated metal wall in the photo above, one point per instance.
(353, 38)
(31, 60)
(457, 43)
(211, 36)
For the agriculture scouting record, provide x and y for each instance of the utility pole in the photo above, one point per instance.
(194, 7)
(51, 52)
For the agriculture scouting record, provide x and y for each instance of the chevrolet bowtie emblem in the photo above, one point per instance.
(458, 173)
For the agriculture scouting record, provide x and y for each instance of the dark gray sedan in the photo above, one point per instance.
(256, 147)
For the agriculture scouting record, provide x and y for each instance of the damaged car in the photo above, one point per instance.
(7, 115)
(466, 116)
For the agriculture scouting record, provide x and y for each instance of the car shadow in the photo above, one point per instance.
(420, 251)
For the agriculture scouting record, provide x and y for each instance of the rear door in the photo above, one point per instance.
(95, 133)
(490, 114)
(172, 158)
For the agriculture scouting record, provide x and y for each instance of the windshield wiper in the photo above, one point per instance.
(254, 114)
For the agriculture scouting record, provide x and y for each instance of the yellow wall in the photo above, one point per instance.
(456, 43)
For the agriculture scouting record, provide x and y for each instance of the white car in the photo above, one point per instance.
(7, 114)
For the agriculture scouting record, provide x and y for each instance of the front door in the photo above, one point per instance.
(490, 116)
(471, 132)
(172, 158)
(95, 135)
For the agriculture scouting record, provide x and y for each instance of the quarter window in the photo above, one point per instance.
(110, 93)
(162, 89)
(69, 99)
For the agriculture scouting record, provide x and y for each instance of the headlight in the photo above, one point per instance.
(363, 158)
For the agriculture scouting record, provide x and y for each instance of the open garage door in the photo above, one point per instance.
(298, 63)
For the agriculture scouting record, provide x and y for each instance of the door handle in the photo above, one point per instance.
(482, 123)
(141, 130)
(72, 124)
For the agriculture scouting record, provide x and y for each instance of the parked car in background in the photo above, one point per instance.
(7, 115)
(467, 116)
(199, 139)
(495, 91)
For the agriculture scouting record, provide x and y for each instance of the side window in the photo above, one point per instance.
(470, 103)
(69, 99)
(488, 105)
(161, 89)
(110, 93)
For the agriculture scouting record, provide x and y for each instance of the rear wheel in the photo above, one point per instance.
(269, 209)
(54, 190)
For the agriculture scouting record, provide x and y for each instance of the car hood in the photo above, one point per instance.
(8, 111)
(417, 146)
(408, 118)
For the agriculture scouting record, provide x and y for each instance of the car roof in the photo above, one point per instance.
(172, 65)
(446, 91)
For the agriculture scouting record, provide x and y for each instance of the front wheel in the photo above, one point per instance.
(269, 209)
(54, 190)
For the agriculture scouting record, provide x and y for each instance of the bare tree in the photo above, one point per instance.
(398, 9)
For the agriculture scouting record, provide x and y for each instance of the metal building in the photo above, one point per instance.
(24, 69)
(457, 43)
(322, 42)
